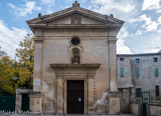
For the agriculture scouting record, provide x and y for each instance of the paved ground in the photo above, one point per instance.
(65, 115)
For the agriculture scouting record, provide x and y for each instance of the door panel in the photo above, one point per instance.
(25, 102)
(75, 97)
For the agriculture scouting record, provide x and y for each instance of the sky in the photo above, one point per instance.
(141, 32)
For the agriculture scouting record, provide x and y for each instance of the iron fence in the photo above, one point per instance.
(147, 97)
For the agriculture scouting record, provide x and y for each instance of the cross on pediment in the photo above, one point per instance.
(76, 4)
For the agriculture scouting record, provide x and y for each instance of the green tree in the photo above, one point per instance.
(7, 82)
(25, 56)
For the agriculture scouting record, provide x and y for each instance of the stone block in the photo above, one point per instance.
(114, 103)
(36, 102)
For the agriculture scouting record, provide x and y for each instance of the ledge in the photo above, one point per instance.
(73, 26)
(75, 65)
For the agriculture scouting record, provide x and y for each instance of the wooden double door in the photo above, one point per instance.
(75, 96)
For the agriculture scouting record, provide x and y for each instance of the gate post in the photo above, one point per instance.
(19, 92)
(18, 102)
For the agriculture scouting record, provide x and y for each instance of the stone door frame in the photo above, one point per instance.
(85, 92)
(64, 72)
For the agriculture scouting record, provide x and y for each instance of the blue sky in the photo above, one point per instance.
(141, 32)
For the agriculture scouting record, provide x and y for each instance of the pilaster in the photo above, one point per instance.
(60, 95)
(112, 65)
(90, 94)
(37, 65)
(113, 96)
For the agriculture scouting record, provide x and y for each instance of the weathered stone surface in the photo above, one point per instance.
(102, 104)
(155, 110)
(36, 103)
(53, 60)
(125, 100)
(146, 81)
(114, 103)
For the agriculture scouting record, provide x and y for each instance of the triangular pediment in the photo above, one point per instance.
(74, 16)
(67, 15)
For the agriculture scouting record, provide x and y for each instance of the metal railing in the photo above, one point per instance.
(148, 97)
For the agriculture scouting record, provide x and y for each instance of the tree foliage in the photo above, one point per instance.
(17, 73)
(6, 74)
(25, 64)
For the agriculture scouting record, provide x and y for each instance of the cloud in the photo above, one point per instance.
(48, 6)
(121, 47)
(151, 4)
(148, 25)
(155, 50)
(139, 32)
(47, 2)
(159, 20)
(10, 38)
(28, 8)
(159, 31)
(119, 8)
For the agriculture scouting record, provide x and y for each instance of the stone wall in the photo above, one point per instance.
(155, 110)
(152, 109)
(125, 100)
(134, 109)
(57, 49)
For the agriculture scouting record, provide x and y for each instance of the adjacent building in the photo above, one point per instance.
(139, 75)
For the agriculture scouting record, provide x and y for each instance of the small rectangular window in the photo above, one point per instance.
(122, 72)
(137, 61)
(138, 92)
(157, 90)
(137, 72)
(156, 72)
(155, 59)
(121, 59)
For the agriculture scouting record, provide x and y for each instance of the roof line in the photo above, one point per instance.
(143, 54)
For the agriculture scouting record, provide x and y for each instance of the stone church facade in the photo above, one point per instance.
(75, 63)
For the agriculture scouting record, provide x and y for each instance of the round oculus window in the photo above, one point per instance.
(75, 41)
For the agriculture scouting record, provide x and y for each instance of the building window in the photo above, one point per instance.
(137, 61)
(155, 59)
(121, 59)
(157, 90)
(122, 72)
(137, 72)
(75, 41)
(156, 72)
(138, 92)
